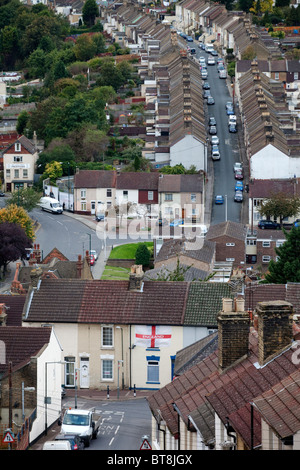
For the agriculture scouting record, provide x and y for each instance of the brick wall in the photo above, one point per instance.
(230, 248)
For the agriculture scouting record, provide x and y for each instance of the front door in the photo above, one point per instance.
(93, 207)
(84, 372)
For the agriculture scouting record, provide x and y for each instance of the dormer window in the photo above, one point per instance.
(18, 159)
(17, 147)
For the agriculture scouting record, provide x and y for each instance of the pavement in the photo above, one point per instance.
(94, 395)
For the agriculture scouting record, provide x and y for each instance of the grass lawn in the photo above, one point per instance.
(115, 274)
(127, 251)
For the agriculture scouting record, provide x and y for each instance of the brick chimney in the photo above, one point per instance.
(79, 266)
(275, 328)
(136, 277)
(3, 315)
(35, 276)
(233, 332)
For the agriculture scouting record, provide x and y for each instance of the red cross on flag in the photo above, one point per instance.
(152, 336)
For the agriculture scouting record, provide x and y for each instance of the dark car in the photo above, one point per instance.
(239, 175)
(238, 197)
(75, 441)
(99, 217)
(263, 224)
(206, 86)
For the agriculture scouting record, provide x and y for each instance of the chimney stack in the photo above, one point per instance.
(3, 315)
(35, 276)
(79, 266)
(275, 328)
(136, 277)
(233, 332)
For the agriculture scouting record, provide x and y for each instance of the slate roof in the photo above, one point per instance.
(180, 183)
(21, 344)
(195, 353)
(201, 250)
(265, 188)
(190, 274)
(94, 179)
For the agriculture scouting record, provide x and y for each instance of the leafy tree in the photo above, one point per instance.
(13, 244)
(18, 215)
(142, 255)
(22, 121)
(27, 198)
(287, 267)
(85, 48)
(90, 11)
(280, 205)
(53, 171)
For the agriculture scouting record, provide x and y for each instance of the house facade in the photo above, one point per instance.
(19, 162)
(94, 191)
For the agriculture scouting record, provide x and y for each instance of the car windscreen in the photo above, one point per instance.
(76, 420)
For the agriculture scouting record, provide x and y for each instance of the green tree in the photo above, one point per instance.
(53, 171)
(27, 198)
(90, 11)
(287, 267)
(22, 122)
(142, 255)
(280, 205)
(84, 48)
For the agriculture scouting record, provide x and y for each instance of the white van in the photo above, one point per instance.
(232, 119)
(57, 445)
(51, 205)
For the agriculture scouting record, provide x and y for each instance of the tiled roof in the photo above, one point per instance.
(108, 302)
(280, 406)
(190, 272)
(205, 301)
(195, 353)
(94, 179)
(137, 180)
(15, 304)
(255, 293)
(266, 188)
(21, 344)
(229, 228)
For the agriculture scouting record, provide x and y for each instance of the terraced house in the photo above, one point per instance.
(132, 329)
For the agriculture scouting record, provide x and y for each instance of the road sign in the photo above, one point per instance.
(145, 445)
(8, 438)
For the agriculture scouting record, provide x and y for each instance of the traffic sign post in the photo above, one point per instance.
(8, 437)
(145, 445)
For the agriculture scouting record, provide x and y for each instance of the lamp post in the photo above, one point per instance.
(46, 398)
(120, 328)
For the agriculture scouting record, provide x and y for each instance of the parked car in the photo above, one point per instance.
(268, 224)
(189, 39)
(212, 121)
(237, 166)
(228, 104)
(232, 119)
(206, 94)
(232, 128)
(297, 223)
(193, 51)
(204, 74)
(75, 441)
(210, 100)
(214, 53)
(94, 254)
(212, 130)
(238, 196)
(99, 217)
(92, 260)
(202, 60)
(230, 111)
(239, 175)
(211, 61)
(2, 194)
(222, 74)
(206, 86)
(219, 199)
(239, 186)
(215, 153)
(176, 222)
(214, 140)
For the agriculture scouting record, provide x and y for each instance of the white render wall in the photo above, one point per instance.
(188, 151)
(271, 163)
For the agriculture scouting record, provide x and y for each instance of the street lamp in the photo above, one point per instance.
(46, 398)
(120, 328)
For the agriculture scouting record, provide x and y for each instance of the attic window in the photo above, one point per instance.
(17, 147)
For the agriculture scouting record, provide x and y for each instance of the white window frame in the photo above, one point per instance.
(230, 244)
(105, 361)
(279, 243)
(168, 196)
(266, 244)
(150, 195)
(83, 193)
(25, 173)
(83, 206)
(193, 197)
(153, 367)
(266, 258)
(18, 158)
(17, 147)
(108, 192)
(109, 344)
